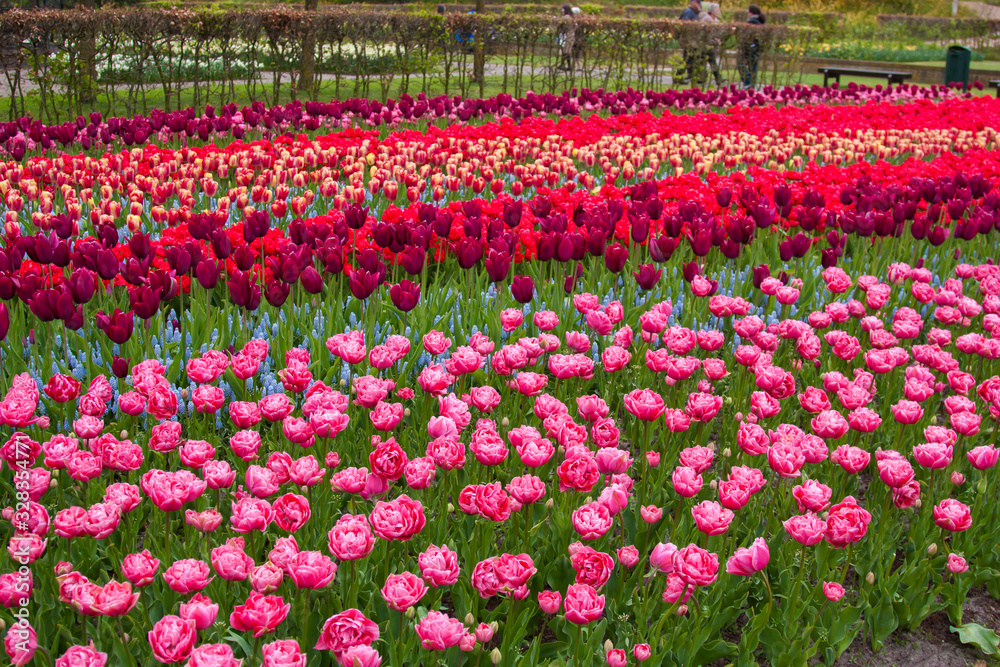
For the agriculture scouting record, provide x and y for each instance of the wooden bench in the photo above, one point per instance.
(995, 83)
(836, 72)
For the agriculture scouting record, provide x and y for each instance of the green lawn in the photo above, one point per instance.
(992, 65)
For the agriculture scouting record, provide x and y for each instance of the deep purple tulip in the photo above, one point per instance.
(662, 248)
(405, 295)
(244, 290)
(468, 251)
(311, 280)
(275, 292)
(82, 285)
(120, 366)
(363, 283)
(117, 326)
(522, 288)
(647, 276)
(355, 216)
(615, 257)
(207, 272)
(4, 321)
(512, 213)
(145, 302)
(412, 260)
(497, 265)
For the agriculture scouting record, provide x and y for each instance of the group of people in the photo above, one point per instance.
(700, 59)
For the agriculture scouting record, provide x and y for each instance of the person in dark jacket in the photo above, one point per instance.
(690, 55)
(750, 50)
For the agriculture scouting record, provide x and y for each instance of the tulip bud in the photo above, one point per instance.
(185, 394)
(343, 382)
(549, 504)
(451, 510)
(727, 452)
(3, 625)
(682, 610)
(410, 613)
(918, 503)
(957, 478)
(932, 549)
(608, 645)
(714, 484)
(505, 422)
(123, 435)
(53, 483)
(494, 626)
(406, 412)
(470, 619)
(495, 655)
(870, 578)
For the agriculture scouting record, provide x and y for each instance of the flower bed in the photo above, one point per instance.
(660, 389)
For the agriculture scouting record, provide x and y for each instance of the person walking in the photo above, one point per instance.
(690, 53)
(749, 53)
(567, 38)
(712, 52)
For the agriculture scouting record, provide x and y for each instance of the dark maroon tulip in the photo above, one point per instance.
(759, 273)
(615, 257)
(82, 285)
(363, 283)
(724, 197)
(332, 256)
(512, 213)
(255, 226)
(662, 249)
(244, 290)
(221, 245)
(785, 251)
(828, 257)
(468, 251)
(654, 208)
(117, 326)
(207, 272)
(311, 280)
(412, 260)
(522, 288)
(540, 206)
(764, 215)
(473, 209)
(730, 249)
(145, 302)
(442, 224)
(546, 246)
(647, 276)
(782, 195)
(179, 259)
(120, 366)
(405, 295)
(107, 264)
(355, 216)
(200, 227)
(75, 321)
(244, 258)
(701, 242)
(497, 265)
(52, 304)
(4, 321)
(640, 228)
(690, 270)
(275, 292)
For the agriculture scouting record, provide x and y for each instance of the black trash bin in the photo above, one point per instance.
(956, 65)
